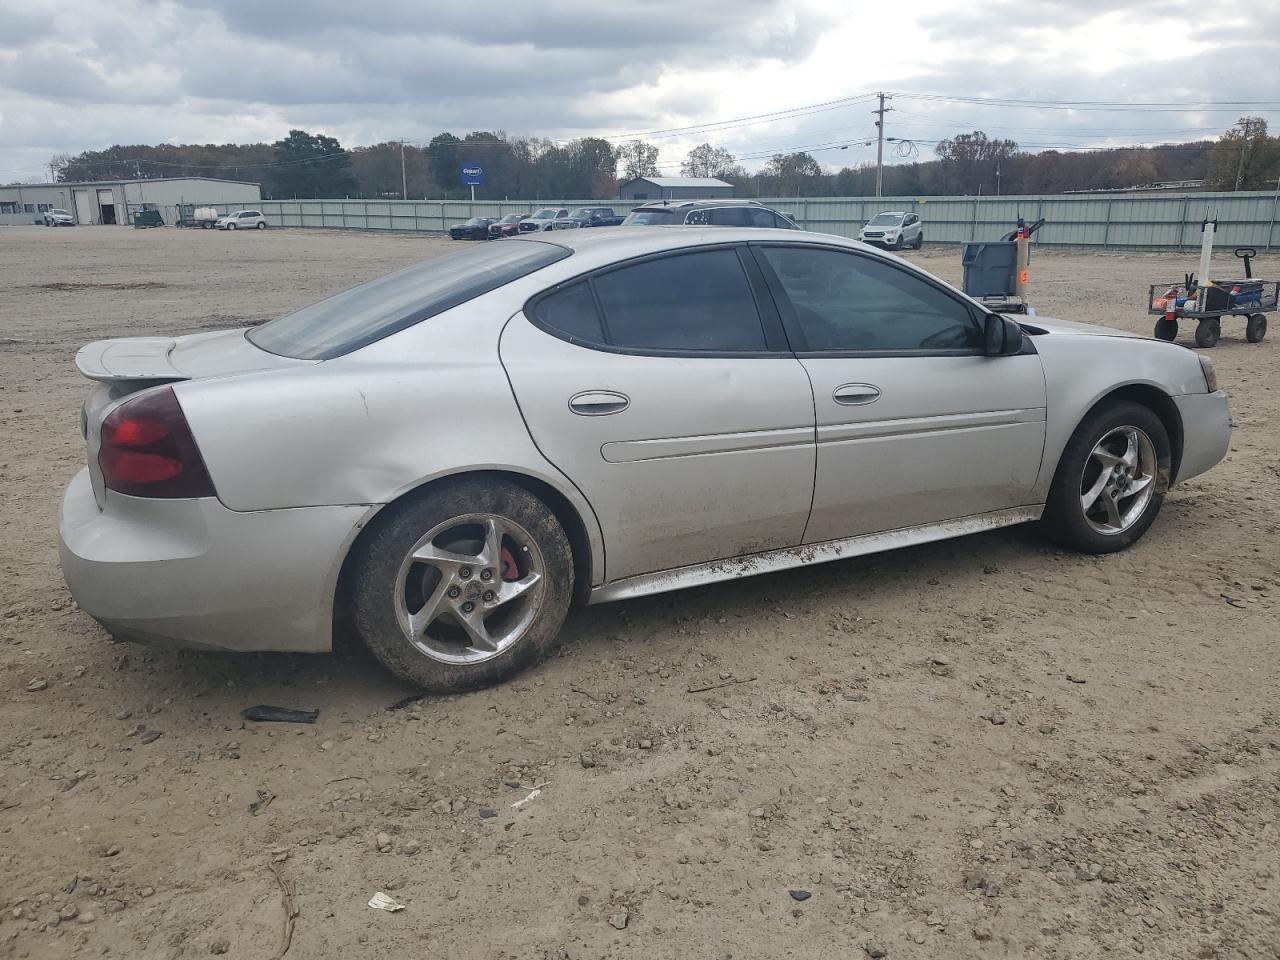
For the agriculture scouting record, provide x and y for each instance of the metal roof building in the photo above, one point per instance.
(115, 201)
(674, 188)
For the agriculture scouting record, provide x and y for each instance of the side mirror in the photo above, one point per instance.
(1001, 337)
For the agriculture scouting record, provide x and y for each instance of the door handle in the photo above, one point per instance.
(598, 403)
(855, 394)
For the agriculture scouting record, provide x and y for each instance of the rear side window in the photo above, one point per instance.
(698, 302)
(359, 316)
(730, 217)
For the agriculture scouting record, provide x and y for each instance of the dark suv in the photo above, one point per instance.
(709, 213)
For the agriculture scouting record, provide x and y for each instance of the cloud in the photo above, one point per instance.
(81, 74)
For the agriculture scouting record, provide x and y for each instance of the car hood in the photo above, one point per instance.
(156, 359)
(1050, 325)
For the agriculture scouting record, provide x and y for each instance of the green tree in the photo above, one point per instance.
(794, 172)
(639, 159)
(708, 161)
(1245, 158)
(971, 160)
(443, 158)
(310, 165)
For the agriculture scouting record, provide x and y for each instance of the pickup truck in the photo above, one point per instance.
(595, 217)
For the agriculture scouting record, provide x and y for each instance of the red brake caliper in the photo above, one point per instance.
(509, 569)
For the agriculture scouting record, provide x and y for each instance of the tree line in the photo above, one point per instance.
(307, 165)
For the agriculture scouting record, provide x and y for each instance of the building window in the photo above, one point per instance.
(8, 206)
(43, 207)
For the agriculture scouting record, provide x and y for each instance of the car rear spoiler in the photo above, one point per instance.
(132, 358)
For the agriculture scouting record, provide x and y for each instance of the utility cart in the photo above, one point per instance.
(1207, 302)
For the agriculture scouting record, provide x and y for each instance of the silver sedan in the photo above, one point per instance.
(453, 454)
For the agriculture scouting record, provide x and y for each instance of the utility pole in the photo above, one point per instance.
(880, 143)
(404, 183)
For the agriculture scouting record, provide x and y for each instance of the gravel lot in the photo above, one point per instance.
(985, 747)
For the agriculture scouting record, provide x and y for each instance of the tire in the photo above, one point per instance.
(1256, 328)
(1166, 329)
(1080, 473)
(898, 244)
(389, 587)
(1208, 331)
(919, 241)
(231, 226)
(262, 225)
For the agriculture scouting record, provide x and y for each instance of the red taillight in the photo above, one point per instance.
(148, 450)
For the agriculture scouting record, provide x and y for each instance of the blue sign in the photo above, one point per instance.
(472, 174)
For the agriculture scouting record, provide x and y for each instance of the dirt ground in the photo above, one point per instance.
(982, 748)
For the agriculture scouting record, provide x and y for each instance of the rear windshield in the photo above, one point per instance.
(651, 217)
(357, 317)
(885, 219)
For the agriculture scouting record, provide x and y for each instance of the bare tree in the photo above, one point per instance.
(639, 159)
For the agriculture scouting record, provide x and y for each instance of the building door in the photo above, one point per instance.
(84, 212)
(107, 206)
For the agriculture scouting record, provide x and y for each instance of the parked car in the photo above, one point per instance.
(57, 217)
(477, 228)
(508, 226)
(896, 229)
(448, 456)
(596, 217)
(242, 220)
(538, 221)
(714, 213)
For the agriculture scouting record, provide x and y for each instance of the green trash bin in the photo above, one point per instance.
(147, 218)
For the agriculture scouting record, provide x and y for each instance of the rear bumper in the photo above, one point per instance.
(1206, 432)
(193, 573)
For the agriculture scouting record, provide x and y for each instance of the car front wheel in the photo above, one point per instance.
(463, 587)
(231, 226)
(262, 224)
(1111, 480)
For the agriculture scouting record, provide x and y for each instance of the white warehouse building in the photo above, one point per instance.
(115, 201)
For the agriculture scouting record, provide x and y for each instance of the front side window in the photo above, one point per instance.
(847, 302)
(371, 311)
(698, 302)
(730, 217)
(653, 217)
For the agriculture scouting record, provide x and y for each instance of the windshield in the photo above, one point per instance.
(655, 216)
(512, 218)
(582, 213)
(371, 311)
(885, 220)
(545, 214)
(60, 210)
(475, 222)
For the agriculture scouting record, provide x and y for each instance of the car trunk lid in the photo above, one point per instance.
(125, 366)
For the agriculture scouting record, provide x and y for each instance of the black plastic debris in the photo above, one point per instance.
(268, 714)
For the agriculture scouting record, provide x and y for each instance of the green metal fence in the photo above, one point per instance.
(1154, 221)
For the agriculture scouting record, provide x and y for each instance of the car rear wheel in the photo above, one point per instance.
(1111, 480)
(919, 240)
(464, 587)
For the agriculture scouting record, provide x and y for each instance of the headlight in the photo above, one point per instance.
(1210, 374)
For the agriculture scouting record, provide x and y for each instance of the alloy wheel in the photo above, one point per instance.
(470, 588)
(1119, 480)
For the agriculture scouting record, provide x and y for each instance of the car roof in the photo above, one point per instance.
(706, 202)
(892, 213)
(621, 243)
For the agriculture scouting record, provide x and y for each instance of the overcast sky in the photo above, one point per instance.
(86, 74)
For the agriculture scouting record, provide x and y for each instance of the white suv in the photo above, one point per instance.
(242, 220)
(894, 229)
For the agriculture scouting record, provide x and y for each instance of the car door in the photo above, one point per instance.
(663, 388)
(915, 425)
